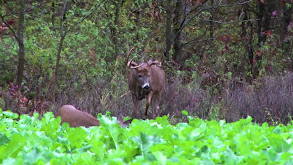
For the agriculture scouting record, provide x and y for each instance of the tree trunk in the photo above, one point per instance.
(248, 38)
(168, 28)
(59, 56)
(264, 19)
(177, 32)
(137, 23)
(21, 51)
(287, 18)
(287, 44)
(263, 26)
(212, 22)
(115, 30)
(62, 37)
(53, 13)
(60, 46)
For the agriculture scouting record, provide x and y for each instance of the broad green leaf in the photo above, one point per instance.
(12, 148)
(10, 114)
(3, 139)
(184, 112)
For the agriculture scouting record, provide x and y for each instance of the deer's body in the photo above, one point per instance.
(76, 118)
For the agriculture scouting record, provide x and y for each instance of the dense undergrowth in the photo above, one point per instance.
(30, 140)
(267, 99)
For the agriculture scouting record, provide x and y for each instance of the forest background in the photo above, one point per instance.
(224, 59)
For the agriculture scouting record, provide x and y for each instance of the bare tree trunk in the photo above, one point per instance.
(63, 33)
(62, 37)
(137, 19)
(21, 51)
(264, 19)
(118, 5)
(287, 18)
(115, 27)
(53, 13)
(248, 38)
(168, 28)
(263, 25)
(60, 46)
(287, 44)
(177, 32)
(59, 55)
(212, 22)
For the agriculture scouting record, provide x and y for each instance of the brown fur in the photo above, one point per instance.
(76, 118)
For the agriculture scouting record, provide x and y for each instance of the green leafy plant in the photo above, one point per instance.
(33, 141)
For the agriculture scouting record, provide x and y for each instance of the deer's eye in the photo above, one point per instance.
(139, 76)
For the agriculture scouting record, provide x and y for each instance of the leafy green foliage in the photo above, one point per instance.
(33, 141)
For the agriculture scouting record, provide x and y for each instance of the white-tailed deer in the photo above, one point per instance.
(146, 80)
(77, 118)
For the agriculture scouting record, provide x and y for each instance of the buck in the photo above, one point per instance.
(77, 118)
(146, 80)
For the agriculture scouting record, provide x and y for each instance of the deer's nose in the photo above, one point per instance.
(146, 86)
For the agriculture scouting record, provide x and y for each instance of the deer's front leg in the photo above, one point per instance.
(148, 103)
(135, 103)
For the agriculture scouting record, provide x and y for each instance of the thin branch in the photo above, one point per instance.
(28, 10)
(13, 31)
(245, 2)
(83, 18)
(208, 8)
(196, 8)
(186, 15)
(193, 40)
(62, 18)
(232, 22)
(184, 25)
